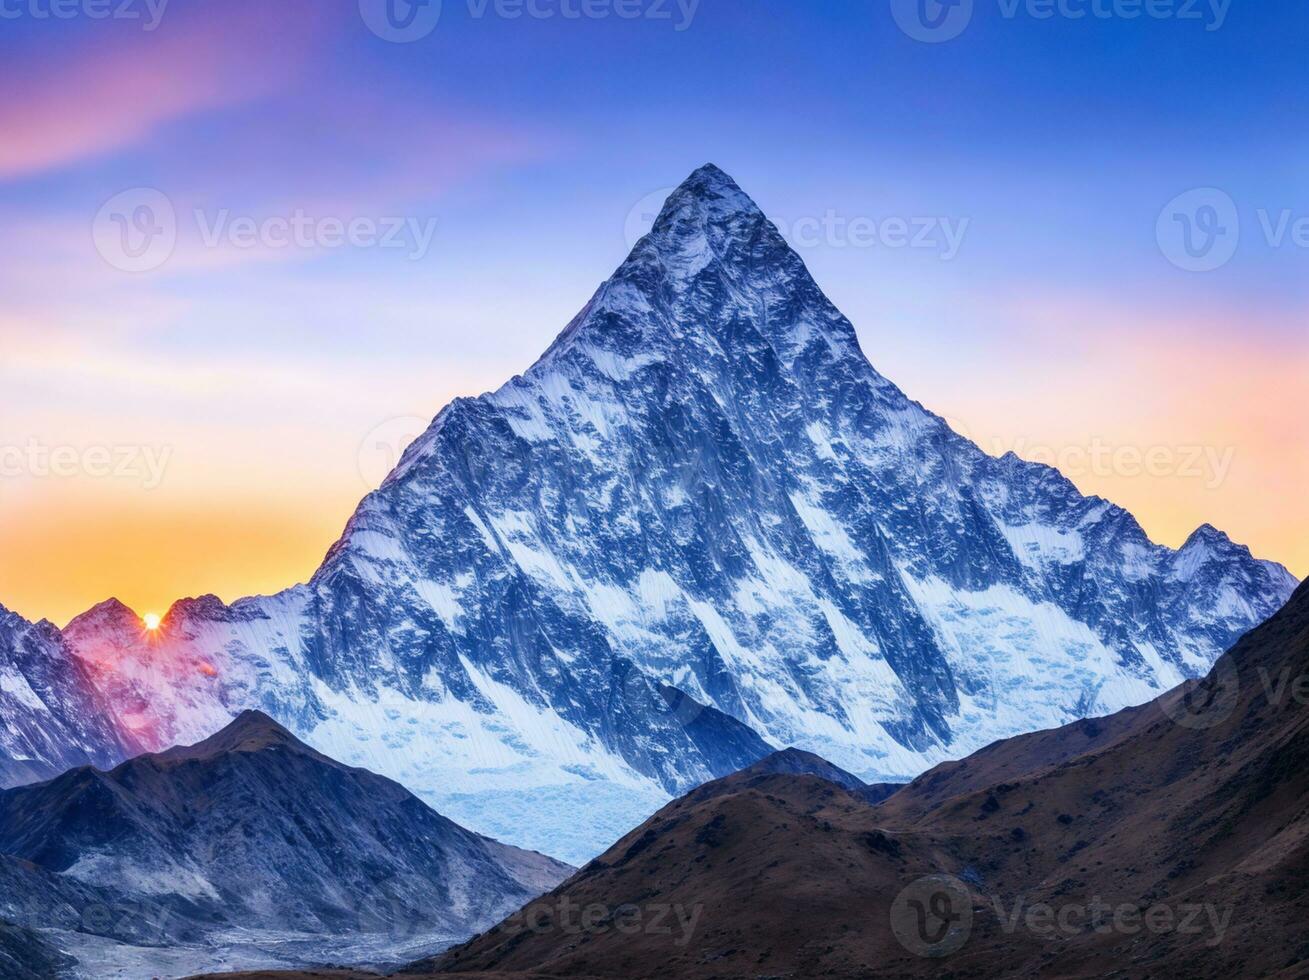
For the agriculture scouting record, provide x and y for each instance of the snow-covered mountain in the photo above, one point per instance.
(700, 527)
(51, 716)
(247, 846)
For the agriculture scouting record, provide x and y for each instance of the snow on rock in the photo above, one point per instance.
(700, 527)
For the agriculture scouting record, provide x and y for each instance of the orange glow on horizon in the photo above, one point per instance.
(249, 511)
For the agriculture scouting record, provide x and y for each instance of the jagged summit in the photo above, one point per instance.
(707, 197)
(204, 606)
(797, 762)
(112, 610)
(250, 731)
(701, 527)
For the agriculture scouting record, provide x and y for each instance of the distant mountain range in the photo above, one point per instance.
(1169, 840)
(52, 716)
(700, 528)
(248, 847)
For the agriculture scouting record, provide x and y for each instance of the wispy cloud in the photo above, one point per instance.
(106, 89)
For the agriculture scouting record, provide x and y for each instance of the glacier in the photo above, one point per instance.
(699, 528)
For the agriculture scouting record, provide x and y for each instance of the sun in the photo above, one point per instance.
(151, 621)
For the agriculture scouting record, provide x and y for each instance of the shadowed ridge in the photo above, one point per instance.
(250, 731)
(1197, 802)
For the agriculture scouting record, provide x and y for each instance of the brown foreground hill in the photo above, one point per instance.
(1170, 840)
(1165, 841)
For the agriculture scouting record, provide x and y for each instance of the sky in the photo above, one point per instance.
(249, 249)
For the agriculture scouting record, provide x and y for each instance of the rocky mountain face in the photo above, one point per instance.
(25, 956)
(248, 834)
(52, 717)
(1170, 841)
(699, 528)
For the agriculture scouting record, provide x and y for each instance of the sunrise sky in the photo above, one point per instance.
(208, 424)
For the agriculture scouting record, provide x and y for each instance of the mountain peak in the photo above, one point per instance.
(710, 179)
(250, 731)
(798, 762)
(207, 606)
(1207, 534)
(112, 612)
(707, 197)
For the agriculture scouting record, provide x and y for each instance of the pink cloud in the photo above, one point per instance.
(114, 86)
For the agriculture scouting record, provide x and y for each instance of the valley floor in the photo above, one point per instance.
(104, 959)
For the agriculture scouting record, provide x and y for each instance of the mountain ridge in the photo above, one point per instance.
(700, 527)
(1176, 845)
(245, 839)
